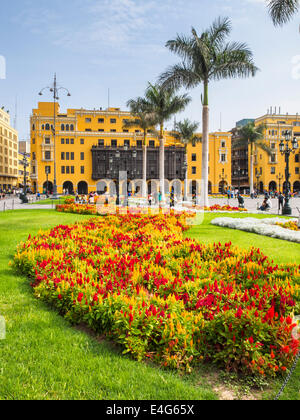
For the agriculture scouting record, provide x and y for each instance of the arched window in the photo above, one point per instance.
(43, 127)
(62, 127)
(47, 127)
(71, 127)
(33, 127)
(67, 127)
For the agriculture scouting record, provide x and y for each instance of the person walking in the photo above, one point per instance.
(280, 202)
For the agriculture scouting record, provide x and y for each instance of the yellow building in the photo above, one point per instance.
(269, 171)
(78, 131)
(8, 153)
(219, 162)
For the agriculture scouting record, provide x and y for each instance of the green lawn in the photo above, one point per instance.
(43, 357)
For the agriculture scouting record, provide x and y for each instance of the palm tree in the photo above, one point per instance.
(207, 58)
(162, 104)
(252, 136)
(282, 11)
(185, 132)
(144, 120)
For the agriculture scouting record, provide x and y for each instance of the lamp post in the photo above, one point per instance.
(280, 178)
(258, 175)
(25, 166)
(286, 151)
(47, 175)
(54, 89)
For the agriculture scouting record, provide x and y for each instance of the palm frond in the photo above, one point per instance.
(282, 11)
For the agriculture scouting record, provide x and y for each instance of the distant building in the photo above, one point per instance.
(8, 153)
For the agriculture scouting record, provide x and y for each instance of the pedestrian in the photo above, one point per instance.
(280, 202)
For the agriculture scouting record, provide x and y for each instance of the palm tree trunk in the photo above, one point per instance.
(144, 189)
(251, 170)
(185, 198)
(205, 148)
(162, 164)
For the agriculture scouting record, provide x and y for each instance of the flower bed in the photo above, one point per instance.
(266, 227)
(172, 300)
(92, 209)
(290, 225)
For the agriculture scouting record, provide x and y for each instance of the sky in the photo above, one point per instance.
(96, 45)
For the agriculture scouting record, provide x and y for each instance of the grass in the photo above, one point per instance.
(43, 357)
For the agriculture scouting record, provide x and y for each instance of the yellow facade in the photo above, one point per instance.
(79, 130)
(219, 162)
(8, 153)
(269, 171)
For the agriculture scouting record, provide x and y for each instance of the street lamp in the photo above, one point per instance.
(54, 89)
(258, 175)
(280, 178)
(47, 174)
(25, 164)
(286, 151)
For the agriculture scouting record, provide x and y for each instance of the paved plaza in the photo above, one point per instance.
(251, 205)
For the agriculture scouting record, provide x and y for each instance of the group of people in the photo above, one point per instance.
(267, 203)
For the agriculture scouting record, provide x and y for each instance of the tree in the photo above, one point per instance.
(162, 103)
(138, 108)
(282, 11)
(185, 132)
(207, 58)
(253, 137)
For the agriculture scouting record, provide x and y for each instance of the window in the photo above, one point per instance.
(151, 143)
(125, 131)
(71, 127)
(81, 141)
(114, 143)
(62, 155)
(47, 127)
(47, 155)
(297, 171)
(62, 127)
(113, 131)
(47, 169)
(82, 170)
(82, 156)
(33, 141)
(139, 143)
(100, 120)
(113, 121)
(101, 143)
(297, 158)
(72, 141)
(67, 141)
(194, 170)
(72, 170)
(223, 157)
(137, 131)
(63, 170)
(47, 140)
(223, 144)
(101, 130)
(68, 156)
(67, 169)
(273, 170)
(88, 129)
(33, 156)
(88, 120)
(127, 143)
(67, 127)
(273, 158)
(62, 141)
(194, 157)
(72, 155)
